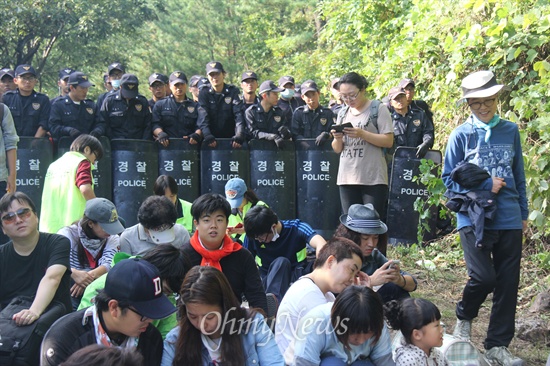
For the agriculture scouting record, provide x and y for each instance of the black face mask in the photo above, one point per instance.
(234, 211)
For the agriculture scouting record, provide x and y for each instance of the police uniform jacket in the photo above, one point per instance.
(126, 119)
(29, 113)
(176, 119)
(307, 123)
(412, 129)
(245, 106)
(260, 122)
(220, 114)
(289, 106)
(66, 116)
(422, 105)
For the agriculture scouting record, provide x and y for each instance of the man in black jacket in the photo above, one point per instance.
(121, 316)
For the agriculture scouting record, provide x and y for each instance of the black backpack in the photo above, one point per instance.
(20, 345)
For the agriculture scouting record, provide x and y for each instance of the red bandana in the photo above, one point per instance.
(212, 257)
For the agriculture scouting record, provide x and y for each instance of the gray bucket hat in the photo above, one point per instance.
(363, 219)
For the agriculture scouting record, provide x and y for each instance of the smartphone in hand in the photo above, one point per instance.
(340, 128)
(394, 263)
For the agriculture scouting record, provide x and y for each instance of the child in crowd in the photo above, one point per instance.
(214, 329)
(350, 331)
(69, 184)
(419, 322)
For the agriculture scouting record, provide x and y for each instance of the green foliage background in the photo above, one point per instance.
(435, 42)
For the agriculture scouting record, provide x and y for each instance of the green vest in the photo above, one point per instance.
(163, 325)
(236, 219)
(62, 201)
(186, 220)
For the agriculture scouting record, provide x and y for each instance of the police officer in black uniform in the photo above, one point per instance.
(75, 114)
(336, 103)
(30, 110)
(157, 86)
(265, 120)
(409, 86)
(115, 72)
(126, 112)
(312, 120)
(411, 126)
(249, 85)
(288, 103)
(62, 83)
(176, 116)
(220, 109)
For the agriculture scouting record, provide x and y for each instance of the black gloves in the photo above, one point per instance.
(284, 133)
(163, 137)
(196, 137)
(95, 134)
(209, 139)
(239, 139)
(74, 133)
(422, 149)
(279, 142)
(323, 136)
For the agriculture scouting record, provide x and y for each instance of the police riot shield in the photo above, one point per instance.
(102, 174)
(180, 160)
(135, 168)
(34, 156)
(402, 218)
(273, 176)
(221, 163)
(317, 195)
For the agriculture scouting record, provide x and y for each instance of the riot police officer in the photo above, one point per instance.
(220, 109)
(75, 114)
(30, 110)
(62, 83)
(176, 115)
(288, 103)
(126, 112)
(249, 85)
(114, 72)
(312, 120)
(265, 120)
(157, 86)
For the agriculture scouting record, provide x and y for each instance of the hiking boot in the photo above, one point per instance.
(463, 329)
(501, 356)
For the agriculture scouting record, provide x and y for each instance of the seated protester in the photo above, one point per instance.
(411, 126)
(279, 247)
(421, 332)
(121, 316)
(363, 226)
(176, 115)
(69, 184)
(32, 263)
(214, 329)
(312, 120)
(166, 185)
(211, 246)
(353, 332)
(96, 354)
(172, 264)
(94, 242)
(157, 225)
(266, 121)
(125, 112)
(337, 266)
(241, 200)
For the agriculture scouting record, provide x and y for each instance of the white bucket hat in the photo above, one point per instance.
(480, 84)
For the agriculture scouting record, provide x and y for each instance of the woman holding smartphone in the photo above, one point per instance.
(363, 173)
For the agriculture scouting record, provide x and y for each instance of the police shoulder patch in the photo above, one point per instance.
(323, 121)
(277, 118)
(139, 107)
(36, 106)
(190, 109)
(227, 100)
(416, 122)
(90, 110)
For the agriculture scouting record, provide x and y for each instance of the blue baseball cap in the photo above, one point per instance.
(234, 191)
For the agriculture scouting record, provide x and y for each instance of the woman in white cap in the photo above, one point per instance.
(363, 226)
(94, 242)
(493, 266)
